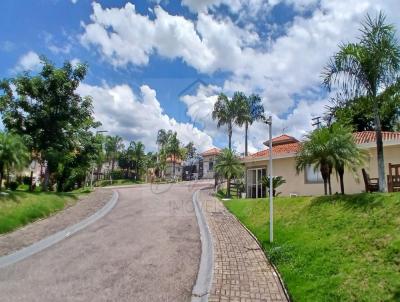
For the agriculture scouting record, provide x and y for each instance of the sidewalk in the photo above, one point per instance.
(241, 271)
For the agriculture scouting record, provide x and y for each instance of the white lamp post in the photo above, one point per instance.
(271, 197)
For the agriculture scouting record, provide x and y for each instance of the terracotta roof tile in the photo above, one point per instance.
(282, 139)
(365, 137)
(278, 150)
(213, 151)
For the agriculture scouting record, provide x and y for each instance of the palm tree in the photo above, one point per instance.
(114, 145)
(315, 151)
(277, 181)
(225, 112)
(174, 150)
(250, 109)
(13, 153)
(228, 165)
(346, 154)
(136, 151)
(366, 69)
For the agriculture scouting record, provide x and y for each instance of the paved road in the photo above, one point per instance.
(147, 249)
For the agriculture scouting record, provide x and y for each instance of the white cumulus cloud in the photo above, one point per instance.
(138, 117)
(28, 62)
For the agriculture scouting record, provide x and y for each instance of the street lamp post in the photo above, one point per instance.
(271, 197)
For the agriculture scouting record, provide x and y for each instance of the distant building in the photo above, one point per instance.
(169, 168)
(209, 161)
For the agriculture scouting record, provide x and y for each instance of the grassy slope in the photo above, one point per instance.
(332, 248)
(20, 208)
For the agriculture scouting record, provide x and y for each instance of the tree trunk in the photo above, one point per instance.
(246, 129)
(230, 136)
(325, 173)
(173, 168)
(45, 185)
(1, 179)
(329, 181)
(112, 164)
(31, 182)
(228, 187)
(341, 173)
(379, 151)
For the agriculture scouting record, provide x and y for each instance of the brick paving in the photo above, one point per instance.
(242, 273)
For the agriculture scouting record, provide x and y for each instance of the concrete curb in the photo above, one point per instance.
(202, 287)
(59, 236)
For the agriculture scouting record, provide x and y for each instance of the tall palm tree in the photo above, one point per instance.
(13, 153)
(250, 109)
(114, 144)
(174, 150)
(225, 112)
(136, 150)
(228, 165)
(315, 151)
(365, 69)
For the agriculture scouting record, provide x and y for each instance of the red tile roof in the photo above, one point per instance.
(282, 139)
(281, 149)
(210, 152)
(365, 137)
(278, 150)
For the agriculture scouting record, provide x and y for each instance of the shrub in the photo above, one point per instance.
(13, 185)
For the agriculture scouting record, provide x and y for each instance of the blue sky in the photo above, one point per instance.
(142, 56)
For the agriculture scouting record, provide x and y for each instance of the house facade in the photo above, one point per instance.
(169, 167)
(309, 182)
(209, 161)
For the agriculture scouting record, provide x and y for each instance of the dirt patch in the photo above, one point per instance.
(84, 207)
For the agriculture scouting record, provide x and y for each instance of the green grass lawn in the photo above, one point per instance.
(339, 248)
(117, 182)
(20, 208)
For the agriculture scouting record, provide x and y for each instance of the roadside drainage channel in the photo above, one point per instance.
(59, 236)
(202, 287)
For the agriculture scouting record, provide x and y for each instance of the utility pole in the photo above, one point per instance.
(271, 199)
(317, 122)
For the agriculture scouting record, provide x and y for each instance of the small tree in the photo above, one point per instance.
(277, 181)
(228, 165)
(315, 151)
(13, 153)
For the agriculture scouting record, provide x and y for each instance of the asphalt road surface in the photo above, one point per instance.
(146, 249)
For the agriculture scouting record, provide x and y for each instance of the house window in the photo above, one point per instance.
(312, 176)
(210, 165)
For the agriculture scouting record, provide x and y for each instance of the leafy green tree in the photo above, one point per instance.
(367, 68)
(47, 109)
(225, 112)
(174, 150)
(114, 145)
(228, 165)
(163, 137)
(13, 153)
(191, 150)
(277, 181)
(345, 153)
(250, 109)
(136, 150)
(315, 151)
(360, 114)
